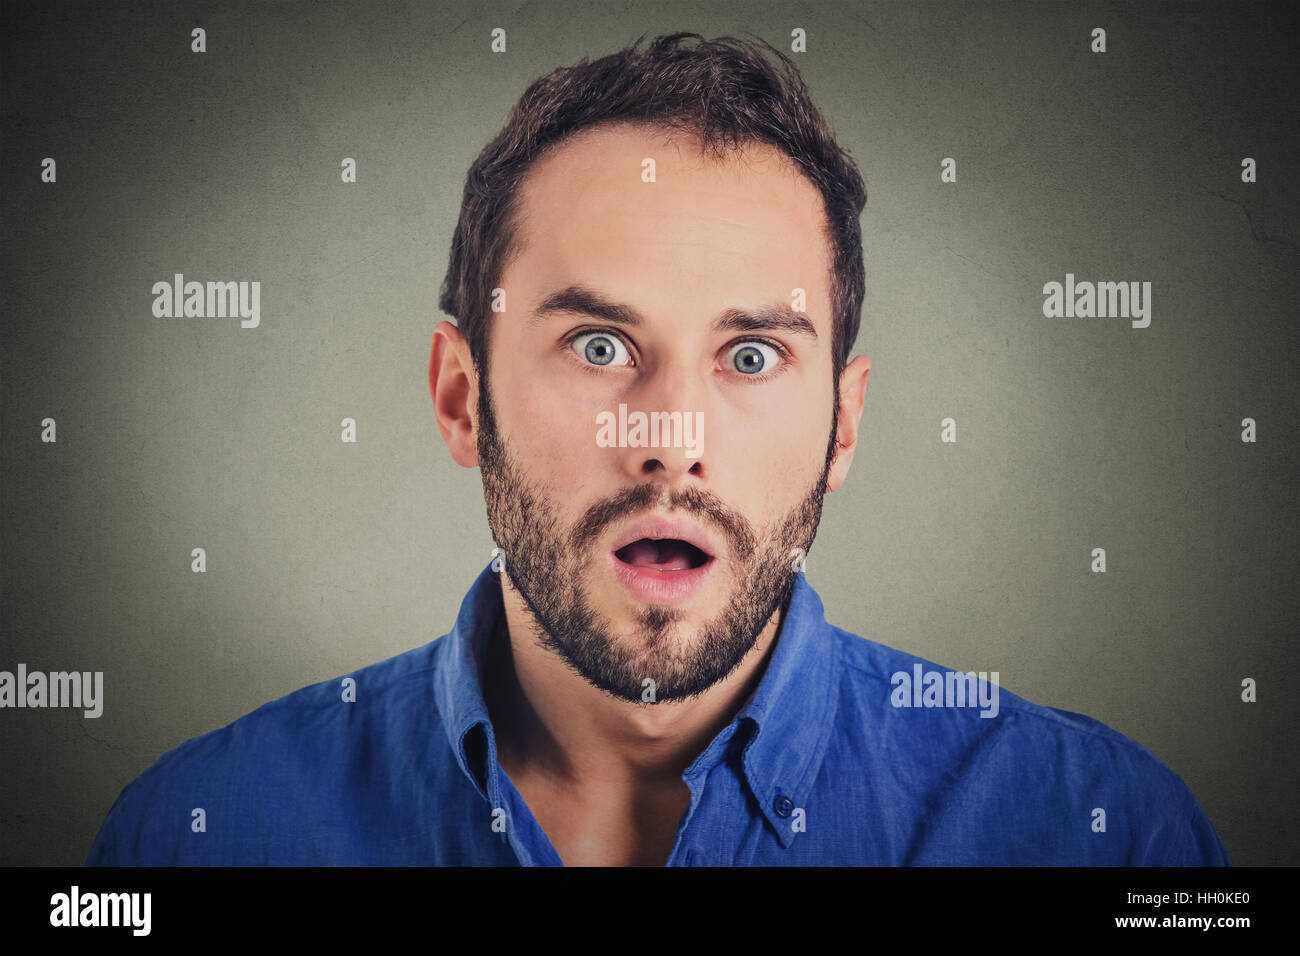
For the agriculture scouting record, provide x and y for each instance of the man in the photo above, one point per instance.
(658, 279)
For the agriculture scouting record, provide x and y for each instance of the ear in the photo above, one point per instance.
(453, 383)
(852, 392)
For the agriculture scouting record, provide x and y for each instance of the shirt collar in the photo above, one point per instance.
(784, 727)
(790, 715)
(458, 681)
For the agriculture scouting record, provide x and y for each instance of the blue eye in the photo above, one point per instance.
(601, 348)
(750, 358)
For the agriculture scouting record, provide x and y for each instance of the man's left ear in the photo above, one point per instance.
(852, 392)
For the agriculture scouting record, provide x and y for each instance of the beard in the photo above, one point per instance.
(546, 563)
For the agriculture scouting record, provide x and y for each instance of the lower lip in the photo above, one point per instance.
(653, 586)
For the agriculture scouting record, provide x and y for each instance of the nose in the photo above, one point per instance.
(666, 427)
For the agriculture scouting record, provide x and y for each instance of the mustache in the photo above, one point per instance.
(700, 504)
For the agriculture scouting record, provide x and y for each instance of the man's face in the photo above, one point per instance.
(662, 563)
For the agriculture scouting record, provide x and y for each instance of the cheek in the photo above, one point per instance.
(777, 463)
(554, 407)
(777, 436)
(551, 435)
(553, 439)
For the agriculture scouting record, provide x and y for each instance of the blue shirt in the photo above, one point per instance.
(820, 766)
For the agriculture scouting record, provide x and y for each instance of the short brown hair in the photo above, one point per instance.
(725, 91)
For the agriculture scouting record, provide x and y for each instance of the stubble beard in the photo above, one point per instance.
(544, 560)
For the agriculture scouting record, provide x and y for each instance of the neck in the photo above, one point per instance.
(551, 722)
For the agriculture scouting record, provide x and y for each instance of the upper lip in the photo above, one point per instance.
(662, 526)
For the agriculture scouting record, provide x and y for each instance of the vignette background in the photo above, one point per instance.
(324, 557)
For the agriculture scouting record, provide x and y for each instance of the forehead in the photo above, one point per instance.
(746, 224)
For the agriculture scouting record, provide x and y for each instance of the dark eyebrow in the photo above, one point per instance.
(578, 299)
(776, 317)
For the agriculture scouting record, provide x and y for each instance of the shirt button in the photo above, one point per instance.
(783, 805)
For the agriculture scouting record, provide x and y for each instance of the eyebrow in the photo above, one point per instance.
(775, 317)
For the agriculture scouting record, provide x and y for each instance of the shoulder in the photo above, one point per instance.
(966, 708)
(269, 765)
(1007, 764)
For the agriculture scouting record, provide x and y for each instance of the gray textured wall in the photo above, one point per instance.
(324, 556)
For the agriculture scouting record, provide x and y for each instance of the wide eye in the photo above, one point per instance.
(601, 348)
(750, 358)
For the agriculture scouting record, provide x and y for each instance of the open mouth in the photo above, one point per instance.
(662, 554)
